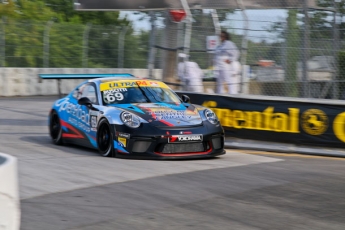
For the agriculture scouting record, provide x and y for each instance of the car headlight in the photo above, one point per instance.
(130, 119)
(211, 116)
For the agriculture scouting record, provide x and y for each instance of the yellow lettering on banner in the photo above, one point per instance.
(266, 120)
(280, 122)
(225, 116)
(294, 120)
(253, 120)
(239, 121)
(339, 126)
(209, 104)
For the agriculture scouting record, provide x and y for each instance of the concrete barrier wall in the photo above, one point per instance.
(9, 194)
(25, 81)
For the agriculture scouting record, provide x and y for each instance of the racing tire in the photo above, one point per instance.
(105, 140)
(55, 128)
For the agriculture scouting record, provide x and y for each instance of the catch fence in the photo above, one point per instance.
(288, 54)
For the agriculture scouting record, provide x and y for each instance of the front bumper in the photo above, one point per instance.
(148, 142)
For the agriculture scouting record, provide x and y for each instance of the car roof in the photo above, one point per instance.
(119, 79)
(109, 79)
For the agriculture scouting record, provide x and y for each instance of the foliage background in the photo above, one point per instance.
(50, 33)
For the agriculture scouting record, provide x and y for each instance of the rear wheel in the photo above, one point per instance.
(105, 139)
(55, 128)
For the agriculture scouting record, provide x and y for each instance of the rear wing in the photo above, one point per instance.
(79, 76)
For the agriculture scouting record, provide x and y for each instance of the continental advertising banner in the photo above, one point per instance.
(307, 123)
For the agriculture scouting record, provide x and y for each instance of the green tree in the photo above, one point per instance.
(24, 32)
(67, 14)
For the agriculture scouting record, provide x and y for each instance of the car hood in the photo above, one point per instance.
(164, 114)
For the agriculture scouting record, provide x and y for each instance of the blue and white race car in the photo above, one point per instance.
(131, 117)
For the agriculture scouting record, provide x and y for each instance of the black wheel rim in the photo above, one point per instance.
(55, 126)
(104, 138)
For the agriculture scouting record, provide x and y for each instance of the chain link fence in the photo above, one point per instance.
(288, 56)
(287, 53)
(55, 45)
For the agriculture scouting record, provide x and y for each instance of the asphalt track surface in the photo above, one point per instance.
(68, 187)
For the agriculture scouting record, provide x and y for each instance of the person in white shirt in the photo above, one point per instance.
(227, 67)
(190, 75)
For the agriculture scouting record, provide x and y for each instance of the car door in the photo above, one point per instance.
(82, 118)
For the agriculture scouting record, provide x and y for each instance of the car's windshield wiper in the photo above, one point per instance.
(144, 93)
(153, 95)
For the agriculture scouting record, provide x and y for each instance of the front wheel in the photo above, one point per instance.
(105, 139)
(55, 128)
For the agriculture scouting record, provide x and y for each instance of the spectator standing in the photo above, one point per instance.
(227, 67)
(190, 75)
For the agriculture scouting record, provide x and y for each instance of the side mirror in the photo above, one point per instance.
(185, 99)
(85, 101)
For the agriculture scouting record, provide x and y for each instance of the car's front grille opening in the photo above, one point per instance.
(140, 146)
(217, 142)
(185, 147)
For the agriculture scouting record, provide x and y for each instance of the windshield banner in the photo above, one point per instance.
(120, 84)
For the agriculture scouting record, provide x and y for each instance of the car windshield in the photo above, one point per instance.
(139, 95)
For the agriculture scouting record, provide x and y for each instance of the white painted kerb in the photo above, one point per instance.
(9, 194)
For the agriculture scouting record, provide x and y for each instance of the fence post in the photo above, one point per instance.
(86, 45)
(244, 45)
(305, 78)
(188, 33)
(3, 42)
(216, 23)
(151, 58)
(291, 55)
(46, 44)
(335, 88)
(121, 47)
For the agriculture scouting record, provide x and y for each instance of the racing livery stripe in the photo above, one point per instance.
(76, 134)
(166, 123)
(92, 140)
(119, 148)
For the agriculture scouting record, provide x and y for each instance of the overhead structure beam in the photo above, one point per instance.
(144, 5)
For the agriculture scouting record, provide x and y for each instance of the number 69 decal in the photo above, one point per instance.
(109, 98)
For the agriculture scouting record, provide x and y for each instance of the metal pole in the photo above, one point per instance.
(188, 32)
(121, 47)
(305, 78)
(151, 58)
(46, 45)
(216, 23)
(335, 51)
(86, 45)
(3, 42)
(244, 45)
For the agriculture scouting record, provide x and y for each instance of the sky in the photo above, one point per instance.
(259, 20)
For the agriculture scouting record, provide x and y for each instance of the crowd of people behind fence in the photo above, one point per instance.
(225, 64)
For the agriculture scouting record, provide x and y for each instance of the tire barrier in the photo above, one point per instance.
(313, 122)
(9, 195)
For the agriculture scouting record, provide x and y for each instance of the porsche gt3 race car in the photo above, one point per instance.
(130, 117)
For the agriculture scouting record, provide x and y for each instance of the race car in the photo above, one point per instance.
(128, 117)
